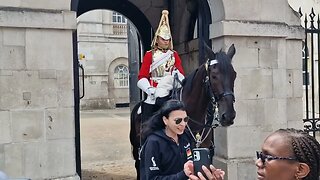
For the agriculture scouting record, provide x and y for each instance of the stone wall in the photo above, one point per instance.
(36, 90)
(36, 83)
(268, 89)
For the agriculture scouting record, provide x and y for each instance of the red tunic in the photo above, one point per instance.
(147, 61)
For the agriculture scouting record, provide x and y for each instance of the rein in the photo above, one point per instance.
(200, 138)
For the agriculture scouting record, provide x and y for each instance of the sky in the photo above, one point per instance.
(305, 5)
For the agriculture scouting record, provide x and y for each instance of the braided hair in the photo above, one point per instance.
(306, 149)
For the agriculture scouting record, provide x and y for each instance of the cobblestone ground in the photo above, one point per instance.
(105, 146)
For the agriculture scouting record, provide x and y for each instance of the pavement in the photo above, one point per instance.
(105, 146)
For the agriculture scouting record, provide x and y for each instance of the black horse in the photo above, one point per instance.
(211, 84)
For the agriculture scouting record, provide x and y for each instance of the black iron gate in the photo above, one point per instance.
(311, 72)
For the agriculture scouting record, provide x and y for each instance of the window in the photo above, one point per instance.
(305, 74)
(121, 76)
(118, 18)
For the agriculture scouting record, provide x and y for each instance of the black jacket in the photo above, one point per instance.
(162, 158)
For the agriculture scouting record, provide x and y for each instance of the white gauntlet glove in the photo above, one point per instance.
(151, 91)
(145, 86)
(180, 76)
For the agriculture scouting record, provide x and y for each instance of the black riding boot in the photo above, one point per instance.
(147, 111)
(161, 100)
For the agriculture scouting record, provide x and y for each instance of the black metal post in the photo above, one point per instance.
(204, 19)
(76, 103)
(134, 56)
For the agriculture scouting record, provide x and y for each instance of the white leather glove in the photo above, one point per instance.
(151, 91)
(144, 84)
(180, 76)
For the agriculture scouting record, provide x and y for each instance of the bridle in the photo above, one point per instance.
(214, 99)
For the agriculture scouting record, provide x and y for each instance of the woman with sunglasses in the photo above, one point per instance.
(167, 148)
(287, 154)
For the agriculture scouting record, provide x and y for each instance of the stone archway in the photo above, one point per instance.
(145, 15)
(37, 86)
(124, 7)
(143, 27)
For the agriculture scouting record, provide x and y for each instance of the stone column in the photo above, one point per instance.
(268, 89)
(36, 90)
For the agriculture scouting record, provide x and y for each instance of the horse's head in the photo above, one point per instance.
(221, 77)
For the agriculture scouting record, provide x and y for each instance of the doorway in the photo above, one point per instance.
(102, 42)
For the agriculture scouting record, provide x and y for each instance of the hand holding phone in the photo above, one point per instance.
(201, 156)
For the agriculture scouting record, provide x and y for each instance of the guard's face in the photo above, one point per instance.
(176, 122)
(163, 43)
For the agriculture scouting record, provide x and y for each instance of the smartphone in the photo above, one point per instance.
(201, 156)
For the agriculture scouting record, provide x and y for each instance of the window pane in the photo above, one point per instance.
(304, 78)
(121, 76)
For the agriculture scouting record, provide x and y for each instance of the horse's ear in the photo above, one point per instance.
(231, 51)
(209, 52)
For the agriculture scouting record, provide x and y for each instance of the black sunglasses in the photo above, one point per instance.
(265, 157)
(179, 120)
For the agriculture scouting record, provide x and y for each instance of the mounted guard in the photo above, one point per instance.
(159, 66)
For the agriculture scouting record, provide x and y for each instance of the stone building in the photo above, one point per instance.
(37, 115)
(39, 83)
(102, 44)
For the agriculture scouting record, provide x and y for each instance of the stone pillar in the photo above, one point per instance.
(36, 90)
(268, 89)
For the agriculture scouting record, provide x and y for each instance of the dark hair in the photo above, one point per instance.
(306, 149)
(155, 122)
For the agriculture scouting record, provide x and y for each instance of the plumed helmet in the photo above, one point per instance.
(163, 29)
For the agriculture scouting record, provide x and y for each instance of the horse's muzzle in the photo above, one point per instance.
(227, 119)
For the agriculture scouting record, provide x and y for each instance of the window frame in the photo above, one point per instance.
(118, 18)
(121, 76)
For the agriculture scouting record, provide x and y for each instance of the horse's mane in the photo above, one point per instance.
(224, 62)
(187, 82)
(223, 65)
